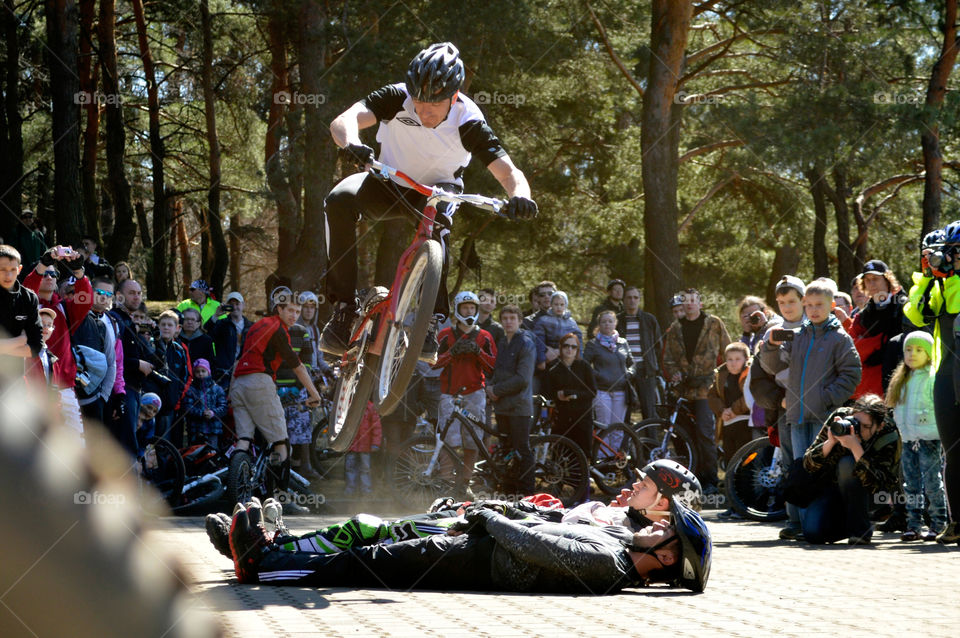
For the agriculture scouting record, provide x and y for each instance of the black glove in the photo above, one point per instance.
(521, 208)
(116, 406)
(477, 517)
(464, 346)
(76, 262)
(359, 154)
(47, 258)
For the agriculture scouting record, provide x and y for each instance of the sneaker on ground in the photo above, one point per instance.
(273, 517)
(247, 543)
(860, 540)
(927, 534)
(791, 533)
(730, 515)
(336, 334)
(218, 531)
(950, 534)
(910, 535)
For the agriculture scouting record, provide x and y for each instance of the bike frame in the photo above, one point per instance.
(386, 309)
(457, 416)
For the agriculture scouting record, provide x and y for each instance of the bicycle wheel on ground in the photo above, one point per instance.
(162, 466)
(241, 483)
(658, 442)
(405, 336)
(562, 470)
(354, 388)
(415, 480)
(755, 482)
(614, 459)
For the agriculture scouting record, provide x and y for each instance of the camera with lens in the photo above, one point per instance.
(842, 426)
(757, 319)
(938, 259)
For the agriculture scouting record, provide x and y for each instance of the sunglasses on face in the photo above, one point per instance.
(103, 292)
(52, 274)
(571, 346)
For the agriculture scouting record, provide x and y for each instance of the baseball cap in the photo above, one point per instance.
(49, 312)
(789, 281)
(676, 300)
(235, 295)
(875, 267)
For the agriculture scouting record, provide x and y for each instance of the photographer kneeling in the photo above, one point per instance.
(855, 456)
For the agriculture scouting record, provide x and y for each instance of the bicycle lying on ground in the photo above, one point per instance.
(426, 468)
(392, 325)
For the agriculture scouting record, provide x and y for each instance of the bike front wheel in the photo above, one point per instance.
(561, 470)
(354, 387)
(416, 299)
(613, 460)
(658, 441)
(415, 480)
(241, 483)
(162, 466)
(755, 482)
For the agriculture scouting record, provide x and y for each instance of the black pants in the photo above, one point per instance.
(515, 435)
(435, 562)
(576, 423)
(842, 511)
(363, 195)
(948, 425)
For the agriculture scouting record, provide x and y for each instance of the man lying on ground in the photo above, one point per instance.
(486, 551)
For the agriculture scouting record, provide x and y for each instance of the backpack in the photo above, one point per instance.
(91, 371)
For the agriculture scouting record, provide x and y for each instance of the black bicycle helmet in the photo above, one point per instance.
(696, 546)
(673, 480)
(436, 73)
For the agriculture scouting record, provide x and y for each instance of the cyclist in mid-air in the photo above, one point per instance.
(430, 131)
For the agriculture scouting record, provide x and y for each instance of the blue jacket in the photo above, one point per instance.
(824, 369)
(550, 328)
(513, 375)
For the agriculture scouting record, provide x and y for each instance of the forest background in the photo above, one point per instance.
(715, 144)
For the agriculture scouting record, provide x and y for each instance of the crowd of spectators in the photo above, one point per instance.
(879, 356)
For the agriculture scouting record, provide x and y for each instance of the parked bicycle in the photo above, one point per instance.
(669, 435)
(614, 452)
(247, 476)
(426, 467)
(392, 325)
(754, 481)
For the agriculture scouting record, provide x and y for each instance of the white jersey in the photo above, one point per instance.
(430, 155)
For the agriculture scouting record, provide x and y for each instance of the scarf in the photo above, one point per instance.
(610, 343)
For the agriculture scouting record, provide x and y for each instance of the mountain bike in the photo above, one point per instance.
(247, 476)
(668, 435)
(427, 467)
(616, 449)
(754, 481)
(392, 325)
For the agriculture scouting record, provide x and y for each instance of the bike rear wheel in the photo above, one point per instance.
(169, 472)
(755, 484)
(657, 442)
(563, 471)
(613, 463)
(354, 388)
(405, 335)
(414, 481)
(240, 478)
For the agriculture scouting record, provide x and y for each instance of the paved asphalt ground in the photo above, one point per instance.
(759, 586)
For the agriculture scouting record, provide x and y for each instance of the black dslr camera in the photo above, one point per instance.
(842, 426)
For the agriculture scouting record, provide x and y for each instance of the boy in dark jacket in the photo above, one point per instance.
(510, 391)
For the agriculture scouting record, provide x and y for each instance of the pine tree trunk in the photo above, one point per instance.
(62, 45)
(217, 240)
(11, 157)
(930, 127)
(124, 226)
(89, 76)
(821, 266)
(660, 138)
(157, 284)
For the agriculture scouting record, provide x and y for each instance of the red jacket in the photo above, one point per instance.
(69, 313)
(465, 373)
(370, 433)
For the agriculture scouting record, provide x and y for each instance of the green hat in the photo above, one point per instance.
(920, 338)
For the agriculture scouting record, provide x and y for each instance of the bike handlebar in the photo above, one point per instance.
(491, 204)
